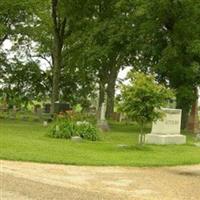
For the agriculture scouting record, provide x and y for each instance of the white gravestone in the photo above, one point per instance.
(167, 130)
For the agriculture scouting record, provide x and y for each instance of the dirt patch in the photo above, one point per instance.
(30, 181)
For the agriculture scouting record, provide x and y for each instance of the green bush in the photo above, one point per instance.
(65, 129)
(87, 131)
(78, 116)
(86, 117)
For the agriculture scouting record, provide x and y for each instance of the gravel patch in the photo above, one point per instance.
(31, 181)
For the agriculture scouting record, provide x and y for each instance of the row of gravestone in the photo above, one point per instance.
(46, 108)
(59, 108)
(40, 112)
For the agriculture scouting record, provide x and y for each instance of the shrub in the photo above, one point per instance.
(87, 131)
(143, 98)
(91, 118)
(66, 129)
(77, 116)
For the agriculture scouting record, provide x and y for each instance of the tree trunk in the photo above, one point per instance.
(193, 120)
(58, 40)
(56, 76)
(185, 107)
(108, 75)
(185, 113)
(111, 91)
(141, 135)
(185, 103)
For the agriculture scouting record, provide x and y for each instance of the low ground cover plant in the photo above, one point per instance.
(86, 131)
(62, 129)
(66, 128)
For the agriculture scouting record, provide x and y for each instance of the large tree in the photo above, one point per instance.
(22, 83)
(59, 32)
(54, 35)
(13, 16)
(169, 45)
(109, 32)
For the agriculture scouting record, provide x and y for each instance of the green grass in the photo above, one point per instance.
(27, 141)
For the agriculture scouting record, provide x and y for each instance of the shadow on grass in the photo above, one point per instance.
(123, 127)
(137, 147)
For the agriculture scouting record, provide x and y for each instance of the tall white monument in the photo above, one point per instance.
(102, 123)
(167, 130)
(103, 112)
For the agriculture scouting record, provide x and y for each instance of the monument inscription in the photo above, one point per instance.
(168, 129)
(169, 124)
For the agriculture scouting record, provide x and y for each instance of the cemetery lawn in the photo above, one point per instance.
(27, 141)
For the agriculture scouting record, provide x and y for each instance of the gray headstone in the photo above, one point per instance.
(45, 123)
(197, 144)
(198, 137)
(76, 139)
(122, 145)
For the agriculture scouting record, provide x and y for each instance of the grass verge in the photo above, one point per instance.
(27, 141)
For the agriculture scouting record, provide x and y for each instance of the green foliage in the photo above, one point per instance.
(87, 131)
(104, 44)
(143, 98)
(76, 82)
(65, 129)
(22, 83)
(168, 42)
(12, 13)
(21, 79)
(77, 116)
(100, 37)
(91, 118)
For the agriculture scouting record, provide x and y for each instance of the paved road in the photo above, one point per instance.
(29, 181)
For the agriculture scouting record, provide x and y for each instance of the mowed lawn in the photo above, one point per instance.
(27, 141)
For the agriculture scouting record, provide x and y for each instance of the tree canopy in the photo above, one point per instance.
(84, 45)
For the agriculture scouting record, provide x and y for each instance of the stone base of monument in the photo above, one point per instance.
(103, 125)
(165, 139)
